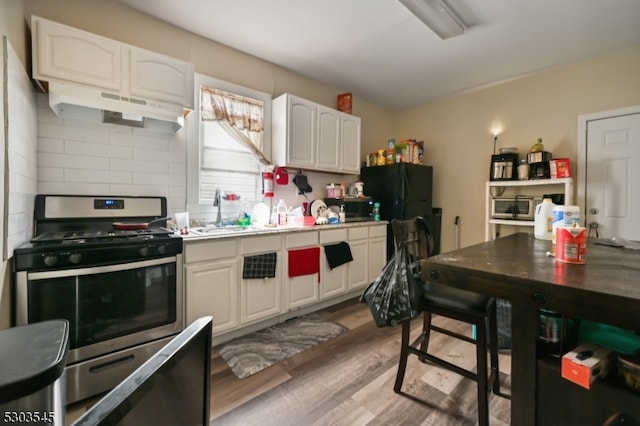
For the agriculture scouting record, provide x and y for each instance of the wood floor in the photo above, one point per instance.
(349, 381)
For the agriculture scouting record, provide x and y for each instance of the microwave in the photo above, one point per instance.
(356, 209)
(520, 207)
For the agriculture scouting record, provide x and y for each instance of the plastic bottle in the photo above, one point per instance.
(281, 210)
(543, 225)
(342, 215)
(376, 211)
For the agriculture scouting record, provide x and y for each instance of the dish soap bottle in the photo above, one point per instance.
(376, 212)
(281, 211)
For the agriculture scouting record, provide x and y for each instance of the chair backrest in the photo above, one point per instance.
(414, 236)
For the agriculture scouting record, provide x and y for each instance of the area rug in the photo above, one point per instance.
(249, 354)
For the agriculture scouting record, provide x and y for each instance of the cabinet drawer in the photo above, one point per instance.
(378, 231)
(268, 243)
(301, 239)
(333, 236)
(198, 251)
(359, 233)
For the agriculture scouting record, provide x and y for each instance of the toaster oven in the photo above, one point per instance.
(356, 209)
(519, 207)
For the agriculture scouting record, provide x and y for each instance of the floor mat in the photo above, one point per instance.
(249, 354)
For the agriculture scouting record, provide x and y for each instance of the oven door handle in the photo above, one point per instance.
(92, 270)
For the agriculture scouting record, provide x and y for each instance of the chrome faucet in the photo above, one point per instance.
(217, 202)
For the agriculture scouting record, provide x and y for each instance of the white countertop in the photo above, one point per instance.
(252, 231)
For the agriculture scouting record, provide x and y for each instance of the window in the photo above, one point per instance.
(216, 156)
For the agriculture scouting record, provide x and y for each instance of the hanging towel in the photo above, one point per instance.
(304, 262)
(259, 266)
(338, 254)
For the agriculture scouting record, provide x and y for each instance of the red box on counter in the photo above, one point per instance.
(345, 101)
(560, 168)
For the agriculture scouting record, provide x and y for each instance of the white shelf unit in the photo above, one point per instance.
(491, 224)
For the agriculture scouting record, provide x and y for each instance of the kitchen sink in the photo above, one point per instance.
(220, 230)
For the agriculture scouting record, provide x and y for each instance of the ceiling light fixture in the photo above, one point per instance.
(438, 16)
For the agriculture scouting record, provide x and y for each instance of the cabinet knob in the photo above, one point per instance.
(539, 298)
(435, 274)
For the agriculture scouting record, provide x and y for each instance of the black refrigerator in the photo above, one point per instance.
(403, 191)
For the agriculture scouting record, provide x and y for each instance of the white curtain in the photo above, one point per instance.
(241, 117)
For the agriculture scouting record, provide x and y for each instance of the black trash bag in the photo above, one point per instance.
(395, 296)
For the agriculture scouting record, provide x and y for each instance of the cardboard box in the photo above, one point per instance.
(345, 101)
(586, 363)
(560, 168)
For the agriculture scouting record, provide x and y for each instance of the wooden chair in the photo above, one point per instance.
(414, 236)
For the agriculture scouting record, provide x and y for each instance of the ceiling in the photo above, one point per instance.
(380, 52)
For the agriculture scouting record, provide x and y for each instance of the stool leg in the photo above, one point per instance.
(481, 360)
(493, 348)
(426, 333)
(404, 354)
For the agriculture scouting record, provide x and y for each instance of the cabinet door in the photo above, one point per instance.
(328, 142)
(301, 290)
(350, 144)
(154, 76)
(377, 256)
(333, 282)
(377, 250)
(261, 298)
(69, 54)
(211, 289)
(359, 267)
(301, 133)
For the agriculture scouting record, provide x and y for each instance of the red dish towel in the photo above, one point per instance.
(304, 262)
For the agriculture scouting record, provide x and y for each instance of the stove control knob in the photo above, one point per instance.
(50, 259)
(75, 258)
(162, 249)
(144, 251)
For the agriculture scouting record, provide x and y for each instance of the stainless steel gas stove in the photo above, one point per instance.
(111, 268)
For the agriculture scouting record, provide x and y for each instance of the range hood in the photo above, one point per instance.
(92, 104)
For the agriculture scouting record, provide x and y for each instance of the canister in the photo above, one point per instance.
(564, 216)
(571, 244)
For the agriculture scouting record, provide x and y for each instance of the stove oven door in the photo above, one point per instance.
(108, 307)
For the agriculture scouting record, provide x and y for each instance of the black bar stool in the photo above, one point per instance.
(473, 308)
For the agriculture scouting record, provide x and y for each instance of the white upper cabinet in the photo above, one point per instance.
(350, 143)
(300, 128)
(153, 76)
(327, 147)
(315, 137)
(69, 55)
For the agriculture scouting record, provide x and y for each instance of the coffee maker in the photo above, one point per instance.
(504, 167)
(539, 165)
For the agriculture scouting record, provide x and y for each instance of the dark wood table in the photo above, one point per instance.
(516, 268)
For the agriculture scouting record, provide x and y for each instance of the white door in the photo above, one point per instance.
(612, 168)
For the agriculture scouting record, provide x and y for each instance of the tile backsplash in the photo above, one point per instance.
(80, 158)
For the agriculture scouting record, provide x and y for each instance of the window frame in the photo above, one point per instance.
(194, 137)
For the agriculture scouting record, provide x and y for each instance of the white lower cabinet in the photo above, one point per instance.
(214, 284)
(333, 282)
(377, 250)
(301, 290)
(359, 267)
(261, 298)
(211, 282)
